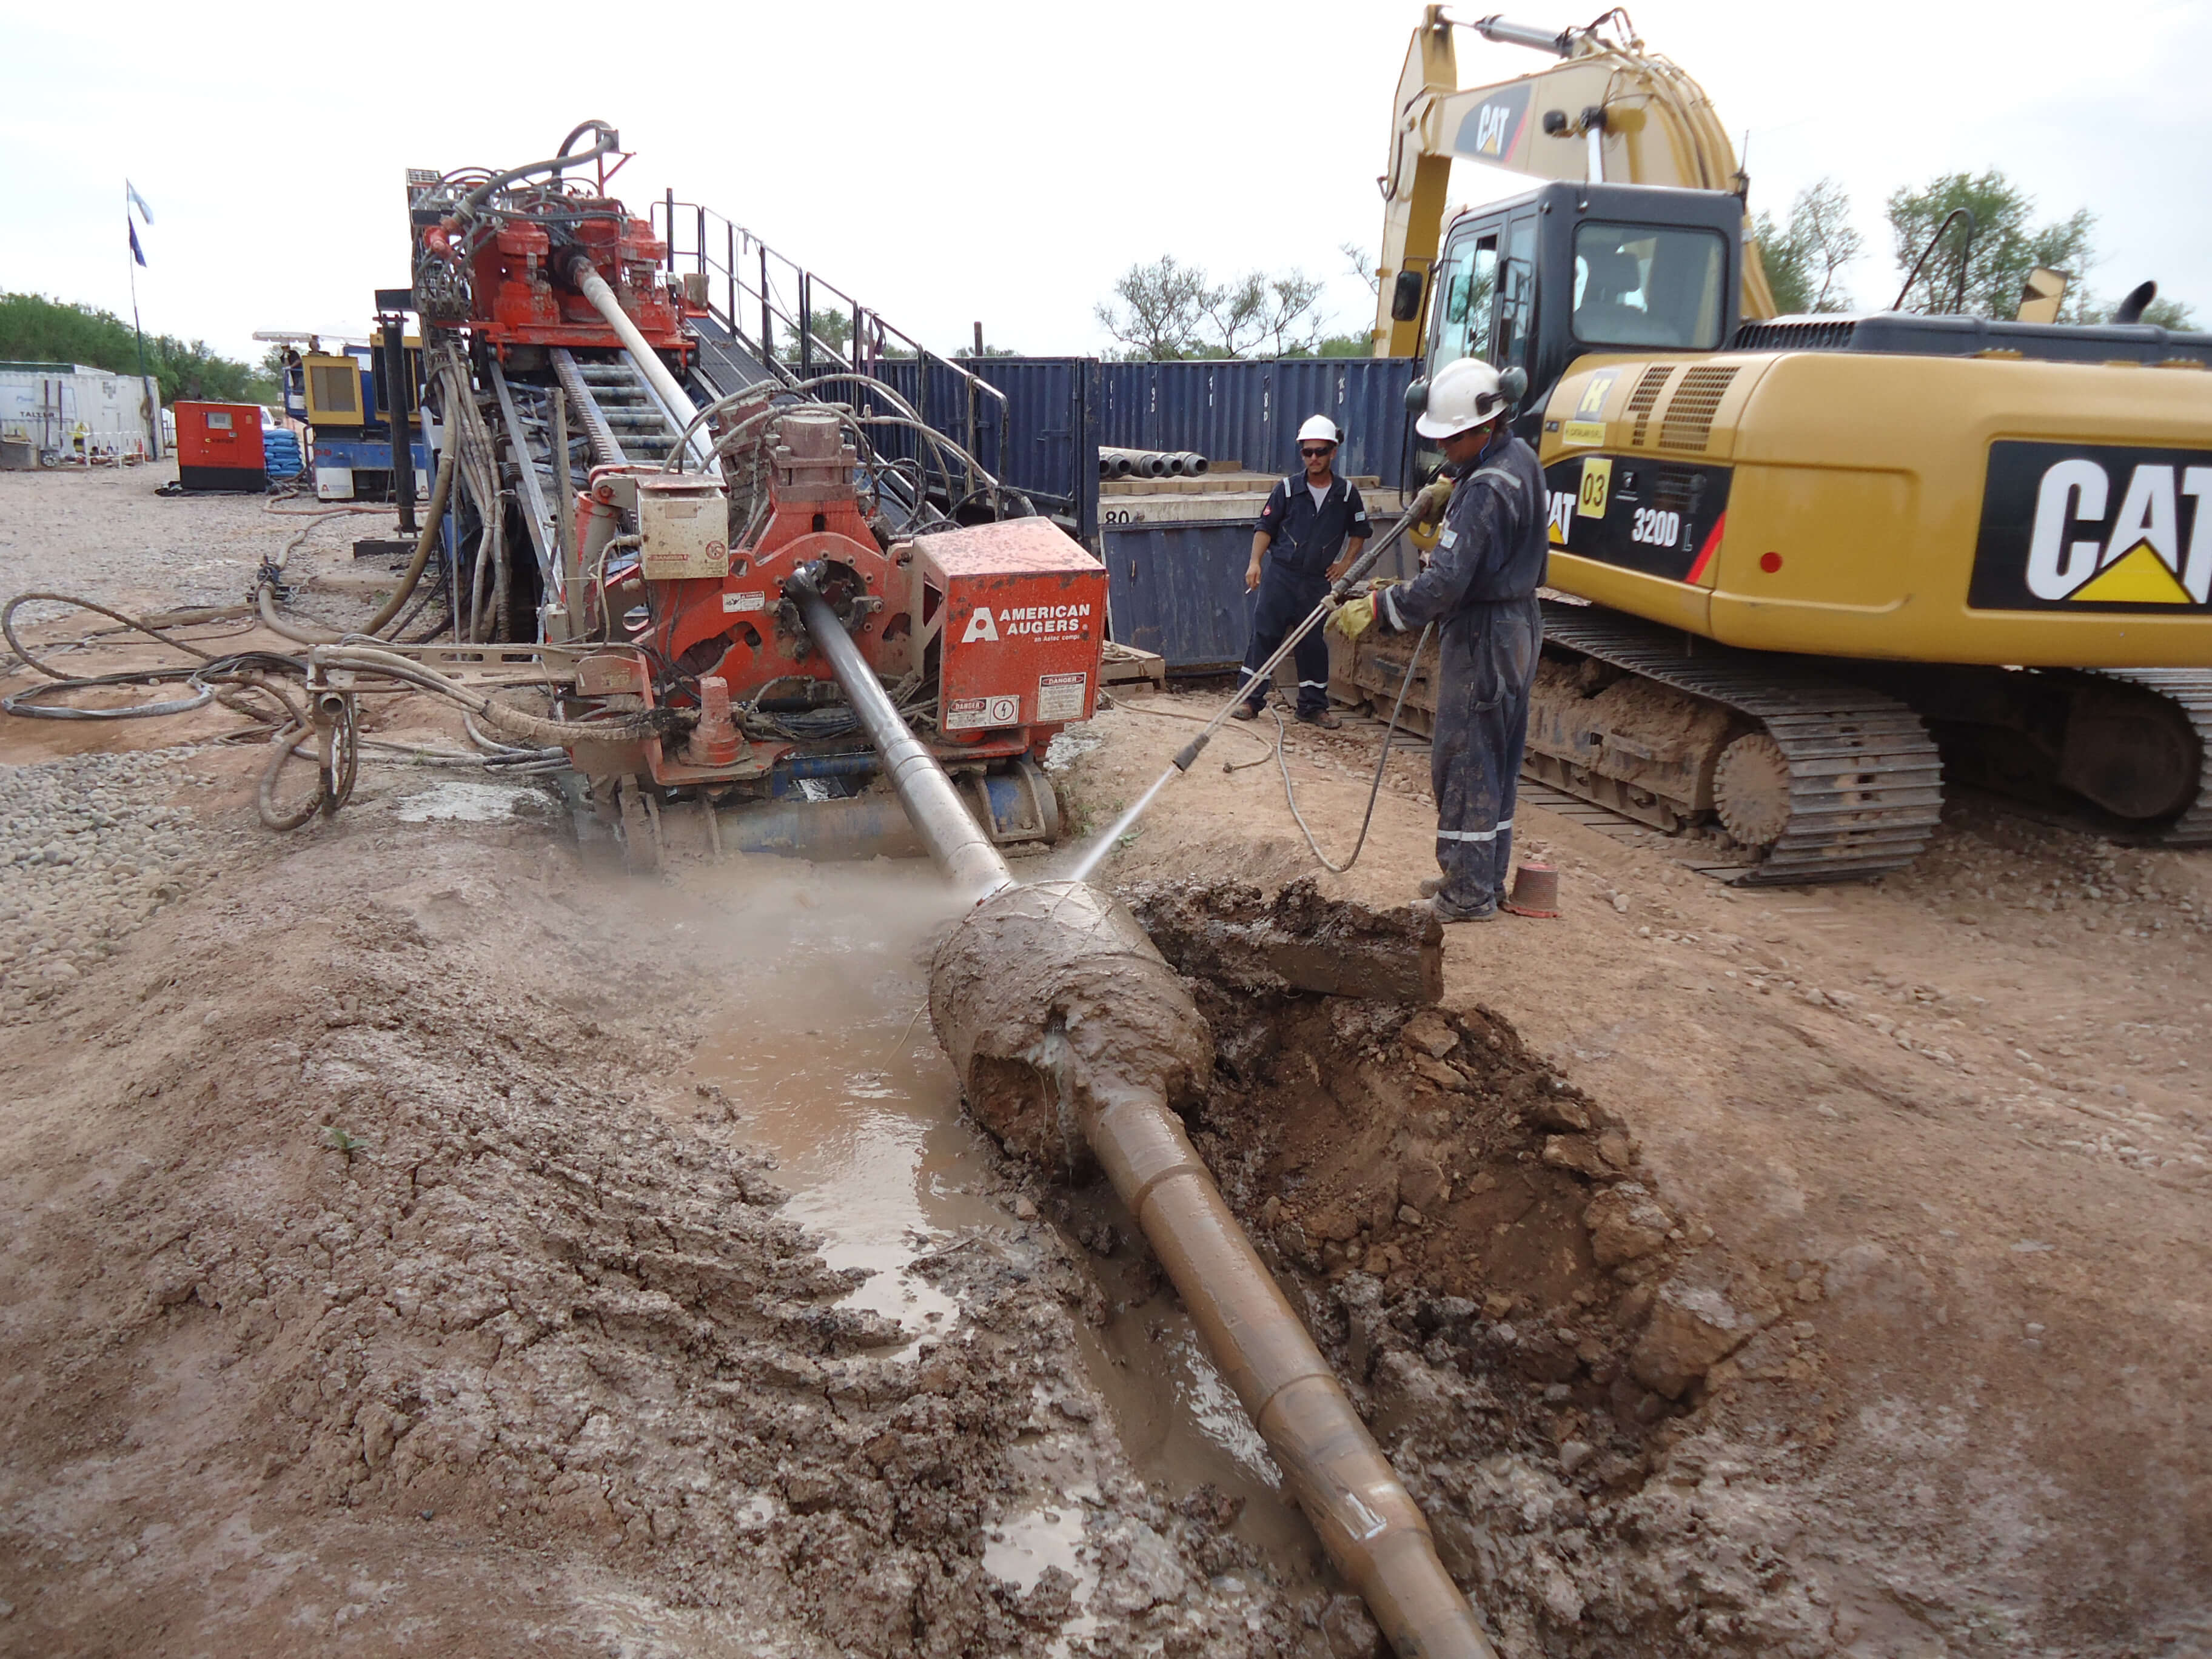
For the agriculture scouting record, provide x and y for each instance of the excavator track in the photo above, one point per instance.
(2190, 691)
(1865, 782)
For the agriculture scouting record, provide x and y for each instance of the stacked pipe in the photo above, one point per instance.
(1073, 1037)
(1117, 462)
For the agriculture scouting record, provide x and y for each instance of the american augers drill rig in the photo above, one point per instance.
(659, 521)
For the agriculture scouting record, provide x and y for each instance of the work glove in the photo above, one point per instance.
(1354, 617)
(1428, 505)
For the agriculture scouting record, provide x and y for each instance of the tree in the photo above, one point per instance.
(35, 329)
(1805, 262)
(2160, 313)
(832, 330)
(1162, 310)
(1362, 266)
(1169, 310)
(2005, 247)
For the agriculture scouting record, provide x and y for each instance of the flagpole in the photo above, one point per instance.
(145, 384)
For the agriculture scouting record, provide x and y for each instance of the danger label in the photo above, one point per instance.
(735, 602)
(981, 713)
(1060, 696)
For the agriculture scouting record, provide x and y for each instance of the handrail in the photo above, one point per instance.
(749, 289)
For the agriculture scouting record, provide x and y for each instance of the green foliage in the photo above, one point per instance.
(1805, 260)
(833, 333)
(34, 328)
(1170, 310)
(2006, 247)
(1337, 345)
(2160, 313)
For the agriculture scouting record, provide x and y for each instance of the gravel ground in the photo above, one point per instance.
(91, 848)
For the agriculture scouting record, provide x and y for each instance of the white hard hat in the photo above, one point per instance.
(1321, 427)
(1465, 394)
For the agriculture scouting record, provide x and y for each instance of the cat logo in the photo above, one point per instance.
(980, 627)
(2064, 527)
(1489, 130)
(2141, 559)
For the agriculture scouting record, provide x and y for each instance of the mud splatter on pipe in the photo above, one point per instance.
(1071, 1035)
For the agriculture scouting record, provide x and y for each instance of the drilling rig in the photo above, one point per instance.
(655, 520)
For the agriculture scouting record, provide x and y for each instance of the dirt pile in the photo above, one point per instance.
(1527, 1324)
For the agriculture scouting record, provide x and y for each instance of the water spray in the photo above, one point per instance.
(1253, 679)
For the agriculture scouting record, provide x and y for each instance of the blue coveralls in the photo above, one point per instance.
(1303, 541)
(1480, 587)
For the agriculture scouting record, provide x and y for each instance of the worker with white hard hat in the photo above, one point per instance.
(1480, 590)
(1313, 525)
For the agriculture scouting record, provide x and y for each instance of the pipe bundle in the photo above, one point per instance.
(1117, 462)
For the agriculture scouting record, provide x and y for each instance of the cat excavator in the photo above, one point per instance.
(1806, 567)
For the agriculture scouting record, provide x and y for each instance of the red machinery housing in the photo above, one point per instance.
(999, 627)
(517, 291)
(219, 447)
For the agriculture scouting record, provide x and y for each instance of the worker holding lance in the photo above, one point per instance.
(1480, 589)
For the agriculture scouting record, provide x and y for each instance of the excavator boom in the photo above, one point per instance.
(1608, 112)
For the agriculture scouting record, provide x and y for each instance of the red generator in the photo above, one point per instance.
(219, 447)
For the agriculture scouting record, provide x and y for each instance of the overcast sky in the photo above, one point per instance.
(1003, 162)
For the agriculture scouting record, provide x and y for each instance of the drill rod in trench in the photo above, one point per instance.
(1365, 1519)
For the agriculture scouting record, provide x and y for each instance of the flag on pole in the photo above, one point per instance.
(138, 201)
(136, 252)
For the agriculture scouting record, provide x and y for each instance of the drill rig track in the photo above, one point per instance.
(1865, 782)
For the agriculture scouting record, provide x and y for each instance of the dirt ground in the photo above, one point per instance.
(1951, 1121)
(424, 1240)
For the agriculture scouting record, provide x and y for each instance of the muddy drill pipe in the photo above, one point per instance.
(1069, 1030)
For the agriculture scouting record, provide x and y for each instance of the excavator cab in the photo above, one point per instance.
(1570, 270)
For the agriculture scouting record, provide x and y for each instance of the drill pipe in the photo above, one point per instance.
(1061, 1015)
(1063, 1019)
(593, 287)
(957, 843)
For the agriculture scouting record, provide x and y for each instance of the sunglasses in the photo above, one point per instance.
(1312, 450)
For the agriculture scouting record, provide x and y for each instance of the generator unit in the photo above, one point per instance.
(219, 447)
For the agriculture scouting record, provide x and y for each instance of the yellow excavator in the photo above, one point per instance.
(1812, 564)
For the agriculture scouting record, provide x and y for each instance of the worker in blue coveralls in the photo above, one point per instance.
(1480, 590)
(1313, 525)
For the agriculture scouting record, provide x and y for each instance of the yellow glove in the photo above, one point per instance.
(1428, 505)
(1354, 617)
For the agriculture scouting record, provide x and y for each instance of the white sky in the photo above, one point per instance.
(1007, 163)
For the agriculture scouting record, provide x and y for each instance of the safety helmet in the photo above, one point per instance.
(1465, 394)
(1321, 427)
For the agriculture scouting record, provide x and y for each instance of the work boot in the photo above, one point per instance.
(1246, 711)
(1446, 911)
(1326, 719)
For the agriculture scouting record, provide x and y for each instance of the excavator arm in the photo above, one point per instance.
(1608, 111)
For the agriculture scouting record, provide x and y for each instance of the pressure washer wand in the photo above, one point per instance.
(1321, 613)
(1258, 677)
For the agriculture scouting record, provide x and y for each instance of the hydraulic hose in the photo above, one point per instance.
(441, 489)
(956, 841)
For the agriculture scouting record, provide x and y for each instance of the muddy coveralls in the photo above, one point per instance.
(1303, 541)
(1480, 590)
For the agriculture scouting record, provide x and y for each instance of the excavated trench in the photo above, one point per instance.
(1513, 1310)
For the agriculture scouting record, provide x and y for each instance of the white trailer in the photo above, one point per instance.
(50, 413)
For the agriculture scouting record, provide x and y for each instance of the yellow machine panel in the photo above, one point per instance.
(333, 390)
(1923, 508)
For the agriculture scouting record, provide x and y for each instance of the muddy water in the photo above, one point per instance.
(828, 1061)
